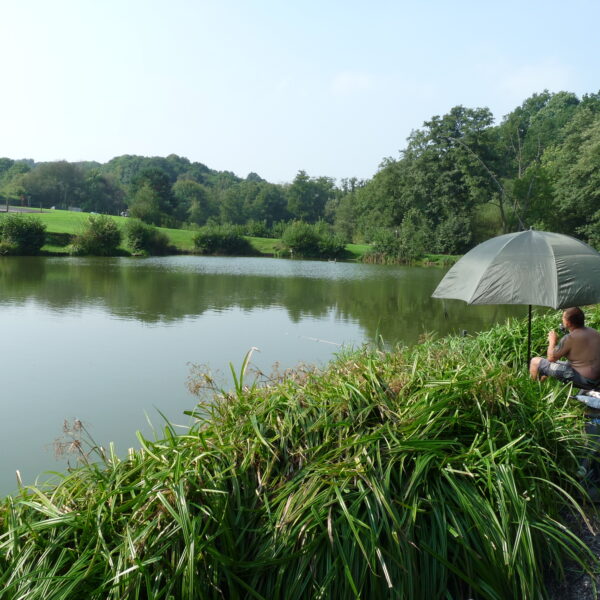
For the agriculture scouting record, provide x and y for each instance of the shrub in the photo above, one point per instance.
(453, 235)
(415, 236)
(278, 228)
(146, 239)
(302, 239)
(8, 248)
(386, 242)
(222, 239)
(101, 238)
(312, 241)
(404, 244)
(257, 229)
(21, 235)
(332, 246)
(590, 231)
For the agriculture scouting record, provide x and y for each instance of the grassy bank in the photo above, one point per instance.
(61, 225)
(436, 472)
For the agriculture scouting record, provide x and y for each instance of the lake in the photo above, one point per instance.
(111, 341)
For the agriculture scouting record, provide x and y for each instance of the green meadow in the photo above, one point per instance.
(68, 223)
(61, 224)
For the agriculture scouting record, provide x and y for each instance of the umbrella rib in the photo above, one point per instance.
(554, 272)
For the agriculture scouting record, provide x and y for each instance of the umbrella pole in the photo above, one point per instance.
(528, 338)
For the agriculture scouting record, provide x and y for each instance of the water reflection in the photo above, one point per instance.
(392, 302)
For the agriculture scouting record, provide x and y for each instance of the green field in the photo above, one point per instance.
(61, 224)
(267, 246)
(357, 250)
(73, 223)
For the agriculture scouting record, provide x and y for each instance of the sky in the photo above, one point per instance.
(274, 87)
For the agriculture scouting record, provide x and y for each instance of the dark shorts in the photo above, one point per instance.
(563, 371)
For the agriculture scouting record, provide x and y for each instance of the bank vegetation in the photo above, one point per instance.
(439, 471)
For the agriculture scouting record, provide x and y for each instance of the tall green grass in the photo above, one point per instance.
(439, 471)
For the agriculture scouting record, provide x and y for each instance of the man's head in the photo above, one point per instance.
(573, 318)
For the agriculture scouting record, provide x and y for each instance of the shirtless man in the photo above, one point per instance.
(581, 347)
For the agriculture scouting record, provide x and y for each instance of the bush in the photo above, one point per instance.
(257, 229)
(146, 239)
(415, 236)
(453, 235)
(21, 235)
(404, 244)
(222, 239)
(332, 246)
(8, 248)
(278, 228)
(312, 241)
(301, 239)
(386, 242)
(101, 238)
(590, 232)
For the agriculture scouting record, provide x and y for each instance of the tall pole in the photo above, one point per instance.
(528, 338)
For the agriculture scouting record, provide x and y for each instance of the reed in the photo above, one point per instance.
(439, 471)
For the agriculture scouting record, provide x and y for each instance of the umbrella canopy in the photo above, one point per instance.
(527, 267)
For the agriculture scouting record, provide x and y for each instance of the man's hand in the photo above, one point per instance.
(552, 339)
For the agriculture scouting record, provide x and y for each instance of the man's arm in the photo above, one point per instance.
(557, 349)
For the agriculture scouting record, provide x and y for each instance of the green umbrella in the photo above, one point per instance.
(527, 267)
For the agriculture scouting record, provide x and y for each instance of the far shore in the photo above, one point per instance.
(62, 225)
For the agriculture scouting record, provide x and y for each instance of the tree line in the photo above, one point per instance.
(460, 179)
(170, 192)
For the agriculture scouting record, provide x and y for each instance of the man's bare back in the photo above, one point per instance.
(581, 347)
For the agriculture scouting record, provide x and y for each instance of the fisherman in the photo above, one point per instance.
(580, 346)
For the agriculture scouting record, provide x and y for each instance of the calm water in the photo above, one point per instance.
(110, 341)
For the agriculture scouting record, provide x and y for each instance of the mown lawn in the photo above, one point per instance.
(269, 246)
(72, 223)
(357, 250)
(64, 221)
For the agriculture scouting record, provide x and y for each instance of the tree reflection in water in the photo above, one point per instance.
(390, 302)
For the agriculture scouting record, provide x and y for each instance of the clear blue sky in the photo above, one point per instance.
(274, 87)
